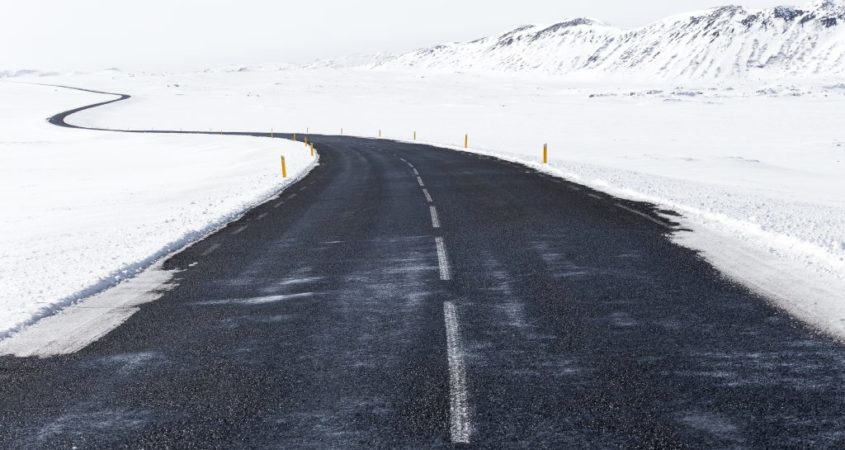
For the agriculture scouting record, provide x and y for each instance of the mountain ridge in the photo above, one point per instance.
(727, 41)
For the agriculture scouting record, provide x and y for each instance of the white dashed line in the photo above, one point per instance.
(417, 173)
(458, 397)
(427, 196)
(292, 196)
(595, 196)
(442, 259)
(643, 215)
(277, 205)
(303, 188)
(262, 215)
(435, 221)
(574, 188)
(240, 230)
(420, 181)
(210, 250)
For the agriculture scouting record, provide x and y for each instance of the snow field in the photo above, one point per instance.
(83, 210)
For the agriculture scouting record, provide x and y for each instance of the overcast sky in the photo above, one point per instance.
(193, 34)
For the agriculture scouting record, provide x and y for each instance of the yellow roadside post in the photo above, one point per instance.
(271, 133)
(294, 136)
(312, 150)
(545, 153)
(415, 135)
(284, 168)
(466, 141)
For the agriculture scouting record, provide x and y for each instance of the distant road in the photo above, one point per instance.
(406, 296)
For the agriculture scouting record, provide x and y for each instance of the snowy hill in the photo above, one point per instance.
(717, 43)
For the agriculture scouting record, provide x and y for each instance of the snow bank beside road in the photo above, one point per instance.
(83, 209)
(761, 166)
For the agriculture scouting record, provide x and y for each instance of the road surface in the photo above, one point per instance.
(405, 296)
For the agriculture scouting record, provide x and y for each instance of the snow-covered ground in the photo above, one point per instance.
(81, 210)
(755, 168)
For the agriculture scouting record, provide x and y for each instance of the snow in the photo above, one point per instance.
(82, 210)
(721, 42)
(756, 169)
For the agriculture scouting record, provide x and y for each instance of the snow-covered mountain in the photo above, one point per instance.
(722, 42)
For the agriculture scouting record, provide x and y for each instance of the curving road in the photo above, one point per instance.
(408, 296)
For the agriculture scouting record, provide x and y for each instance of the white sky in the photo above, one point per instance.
(193, 34)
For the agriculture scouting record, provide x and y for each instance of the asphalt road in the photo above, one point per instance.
(405, 296)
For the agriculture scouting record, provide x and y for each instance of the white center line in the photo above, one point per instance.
(435, 221)
(643, 215)
(240, 230)
(459, 401)
(210, 250)
(427, 196)
(442, 259)
(420, 181)
(263, 215)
